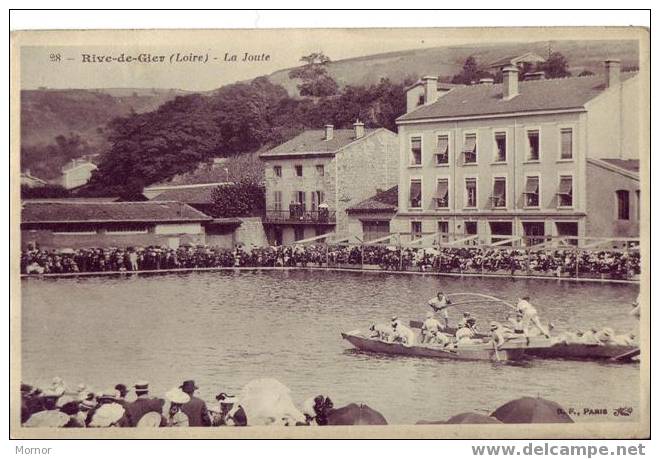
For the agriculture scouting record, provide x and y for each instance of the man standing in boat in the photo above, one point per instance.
(530, 316)
(440, 303)
(430, 328)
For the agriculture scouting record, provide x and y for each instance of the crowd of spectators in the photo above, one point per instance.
(559, 262)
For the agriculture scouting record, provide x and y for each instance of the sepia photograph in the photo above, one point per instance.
(330, 233)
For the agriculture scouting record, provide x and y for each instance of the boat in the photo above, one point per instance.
(545, 349)
(462, 351)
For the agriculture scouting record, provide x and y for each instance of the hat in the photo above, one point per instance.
(607, 331)
(53, 392)
(150, 419)
(466, 314)
(107, 415)
(176, 395)
(188, 385)
(121, 388)
(49, 418)
(87, 405)
(108, 394)
(141, 386)
(429, 315)
(226, 399)
(494, 325)
(394, 318)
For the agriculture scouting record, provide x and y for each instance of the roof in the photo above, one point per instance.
(195, 194)
(73, 200)
(442, 86)
(513, 60)
(98, 212)
(313, 141)
(631, 165)
(625, 167)
(385, 201)
(535, 95)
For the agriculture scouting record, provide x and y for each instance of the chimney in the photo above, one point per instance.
(612, 72)
(509, 82)
(486, 81)
(329, 131)
(358, 128)
(430, 89)
(533, 76)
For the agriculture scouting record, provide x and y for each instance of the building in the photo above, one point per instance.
(313, 178)
(523, 62)
(370, 220)
(57, 224)
(76, 172)
(31, 181)
(520, 158)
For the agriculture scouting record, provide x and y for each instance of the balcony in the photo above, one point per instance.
(300, 216)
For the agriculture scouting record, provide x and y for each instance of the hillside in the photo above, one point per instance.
(47, 113)
(447, 61)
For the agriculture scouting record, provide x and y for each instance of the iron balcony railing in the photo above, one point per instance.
(298, 215)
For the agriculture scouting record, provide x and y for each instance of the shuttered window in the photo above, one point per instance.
(416, 151)
(442, 194)
(470, 149)
(442, 152)
(499, 192)
(531, 192)
(565, 191)
(415, 193)
(471, 192)
(566, 143)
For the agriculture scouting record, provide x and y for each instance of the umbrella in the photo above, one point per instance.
(527, 410)
(50, 418)
(466, 418)
(151, 419)
(268, 401)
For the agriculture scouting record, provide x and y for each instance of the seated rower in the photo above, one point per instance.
(624, 340)
(380, 331)
(589, 337)
(605, 335)
(463, 333)
(430, 328)
(440, 303)
(402, 334)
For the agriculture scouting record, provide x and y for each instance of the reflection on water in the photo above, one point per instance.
(224, 329)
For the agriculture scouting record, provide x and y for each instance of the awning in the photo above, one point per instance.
(565, 186)
(443, 145)
(442, 192)
(470, 145)
(532, 186)
(416, 143)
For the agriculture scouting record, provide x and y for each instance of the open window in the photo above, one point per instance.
(566, 143)
(415, 193)
(442, 194)
(623, 204)
(565, 191)
(498, 197)
(470, 149)
(470, 192)
(416, 151)
(531, 192)
(442, 151)
(500, 147)
(533, 145)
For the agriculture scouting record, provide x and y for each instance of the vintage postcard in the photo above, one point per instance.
(330, 233)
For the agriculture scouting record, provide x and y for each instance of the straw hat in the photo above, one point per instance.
(50, 418)
(176, 395)
(107, 415)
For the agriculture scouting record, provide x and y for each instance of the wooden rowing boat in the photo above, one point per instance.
(472, 351)
(545, 349)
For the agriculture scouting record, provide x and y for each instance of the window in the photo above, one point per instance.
(565, 192)
(566, 143)
(277, 200)
(500, 147)
(443, 227)
(531, 193)
(470, 228)
(74, 229)
(639, 205)
(415, 151)
(623, 204)
(499, 192)
(375, 229)
(532, 229)
(442, 194)
(415, 230)
(416, 193)
(127, 229)
(317, 198)
(442, 152)
(298, 232)
(420, 100)
(470, 149)
(320, 170)
(278, 171)
(533, 145)
(299, 170)
(471, 192)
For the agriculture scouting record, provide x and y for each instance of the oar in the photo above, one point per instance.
(497, 354)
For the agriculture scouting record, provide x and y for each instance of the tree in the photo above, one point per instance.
(470, 73)
(556, 66)
(242, 199)
(315, 80)
(43, 192)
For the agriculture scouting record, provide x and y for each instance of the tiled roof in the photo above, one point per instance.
(385, 201)
(631, 165)
(192, 195)
(527, 57)
(313, 141)
(486, 99)
(88, 212)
